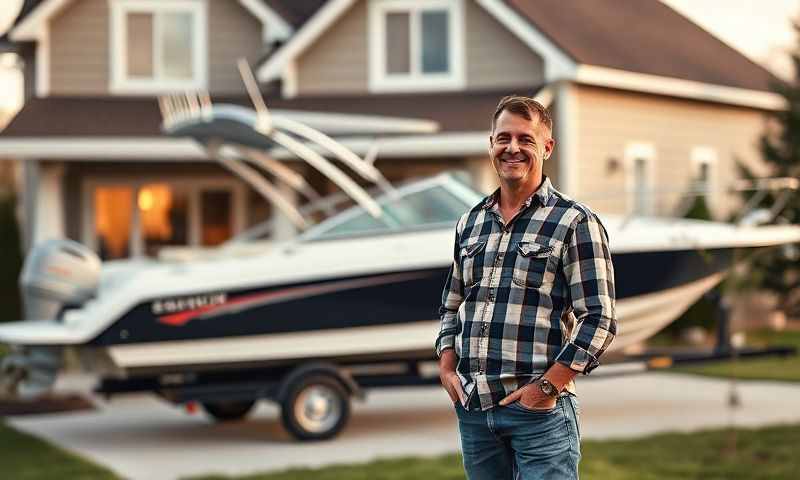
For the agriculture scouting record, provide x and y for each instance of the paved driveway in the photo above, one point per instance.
(141, 437)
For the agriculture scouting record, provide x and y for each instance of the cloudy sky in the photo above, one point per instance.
(760, 29)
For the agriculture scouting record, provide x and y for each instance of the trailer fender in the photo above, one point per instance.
(305, 369)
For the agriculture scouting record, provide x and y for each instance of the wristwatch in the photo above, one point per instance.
(548, 388)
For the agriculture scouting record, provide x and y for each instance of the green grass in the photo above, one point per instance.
(768, 453)
(786, 369)
(25, 457)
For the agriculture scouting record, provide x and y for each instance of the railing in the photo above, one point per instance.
(749, 213)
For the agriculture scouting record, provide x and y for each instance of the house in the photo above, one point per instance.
(643, 99)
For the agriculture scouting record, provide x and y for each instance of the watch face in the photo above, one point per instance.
(548, 388)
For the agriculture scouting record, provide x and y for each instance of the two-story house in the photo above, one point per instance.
(643, 99)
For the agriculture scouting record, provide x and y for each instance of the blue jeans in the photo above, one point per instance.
(514, 443)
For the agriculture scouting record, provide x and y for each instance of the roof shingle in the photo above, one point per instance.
(642, 36)
(140, 117)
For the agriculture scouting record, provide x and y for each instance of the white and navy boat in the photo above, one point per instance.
(363, 285)
(350, 287)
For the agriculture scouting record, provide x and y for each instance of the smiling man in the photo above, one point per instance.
(528, 304)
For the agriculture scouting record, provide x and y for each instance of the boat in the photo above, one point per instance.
(359, 289)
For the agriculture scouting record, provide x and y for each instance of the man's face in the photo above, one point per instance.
(518, 148)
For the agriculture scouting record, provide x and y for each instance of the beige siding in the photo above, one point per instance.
(233, 33)
(79, 49)
(337, 61)
(495, 57)
(610, 120)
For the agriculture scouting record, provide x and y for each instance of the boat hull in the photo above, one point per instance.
(389, 315)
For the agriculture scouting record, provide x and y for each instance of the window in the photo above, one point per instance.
(640, 186)
(704, 168)
(215, 217)
(139, 218)
(416, 45)
(163, 217)
(158, 46)
(639, 160)
(113, 214)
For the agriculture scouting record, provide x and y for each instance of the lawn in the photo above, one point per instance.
(25, 457)
(768, 453)
(785, 369)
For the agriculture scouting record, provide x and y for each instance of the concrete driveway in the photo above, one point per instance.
(140, 437)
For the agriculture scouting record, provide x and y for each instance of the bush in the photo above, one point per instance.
(11, 263)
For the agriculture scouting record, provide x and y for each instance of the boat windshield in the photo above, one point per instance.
(425, 204)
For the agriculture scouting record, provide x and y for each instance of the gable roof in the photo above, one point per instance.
(27, 6)
(636, 45)
(641, 36)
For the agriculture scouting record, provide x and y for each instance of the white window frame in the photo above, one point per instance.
(646, 152)
(193, 186)
(120, 83)
(706, 155)
(380, 81)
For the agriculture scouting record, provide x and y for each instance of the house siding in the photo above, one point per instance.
(495, 57)
(609, 120)
(80, 43)
(337, 62)
(233, 33)
(79, 49)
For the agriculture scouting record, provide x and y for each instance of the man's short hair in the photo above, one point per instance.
(526, 107)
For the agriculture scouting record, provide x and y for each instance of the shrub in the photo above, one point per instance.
(11, 263)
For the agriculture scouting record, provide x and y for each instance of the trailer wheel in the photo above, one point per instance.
(228, 411)
(316, 407)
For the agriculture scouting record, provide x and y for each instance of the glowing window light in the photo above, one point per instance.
(155, 203)
(146, 200)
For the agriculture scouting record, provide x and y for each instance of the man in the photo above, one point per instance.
(529, 304)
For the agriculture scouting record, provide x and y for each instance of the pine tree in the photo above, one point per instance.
(779, 270)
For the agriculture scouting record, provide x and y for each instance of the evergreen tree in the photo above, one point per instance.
(779, 270)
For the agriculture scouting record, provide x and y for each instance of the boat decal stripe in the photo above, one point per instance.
(246, 302)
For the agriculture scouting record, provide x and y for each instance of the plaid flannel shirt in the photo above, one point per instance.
(525, 295)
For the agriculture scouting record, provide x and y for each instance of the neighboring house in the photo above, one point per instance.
(643, 99)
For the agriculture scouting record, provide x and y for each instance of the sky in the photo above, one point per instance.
(761, 29)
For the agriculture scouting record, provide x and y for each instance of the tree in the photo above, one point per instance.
(11, 263)
(779, 270)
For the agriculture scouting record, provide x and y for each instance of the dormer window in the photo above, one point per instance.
(416, 45)
(158, 46)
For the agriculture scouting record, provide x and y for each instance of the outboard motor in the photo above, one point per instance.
(57, 274)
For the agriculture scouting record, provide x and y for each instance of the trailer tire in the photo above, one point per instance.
(316, 407)
(228, 411)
